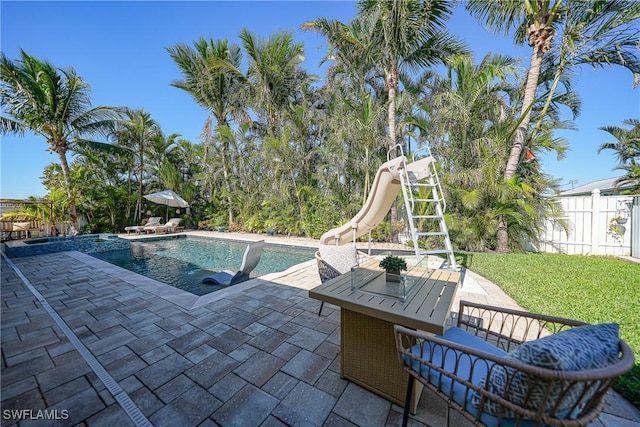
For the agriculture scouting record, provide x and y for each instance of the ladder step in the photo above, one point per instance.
(426, 200)
(432, 233)
(428, 216)
(422, 184)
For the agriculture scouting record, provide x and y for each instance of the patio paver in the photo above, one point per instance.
(260, 356)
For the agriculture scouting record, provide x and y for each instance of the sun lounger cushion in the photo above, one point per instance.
(170, 226)
(154, 220)
(577, 349)
(20, 226)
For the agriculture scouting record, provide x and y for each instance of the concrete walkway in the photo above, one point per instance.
(87, 343)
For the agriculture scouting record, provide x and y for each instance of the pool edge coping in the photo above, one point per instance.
(177, 296)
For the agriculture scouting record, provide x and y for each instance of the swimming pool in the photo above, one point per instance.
(183, 262)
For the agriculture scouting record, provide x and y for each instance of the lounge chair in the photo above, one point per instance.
(250, 259)
(333, 261)
(498, 366)
(153, 221)
(173, 225)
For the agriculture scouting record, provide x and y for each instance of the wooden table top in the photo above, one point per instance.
(426, 308)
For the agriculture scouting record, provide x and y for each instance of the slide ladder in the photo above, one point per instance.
(425, 204)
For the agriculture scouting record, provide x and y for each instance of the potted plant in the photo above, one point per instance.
(393, 265)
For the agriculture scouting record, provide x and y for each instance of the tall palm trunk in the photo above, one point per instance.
(73, 216)
(225, 162)
(539, 48)
(529, 98)
(392, 84)
(140, 182)
(129, 192)
(225, 173)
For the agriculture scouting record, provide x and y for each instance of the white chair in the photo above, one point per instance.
(172, 225)
(153, 221)
(250, 260)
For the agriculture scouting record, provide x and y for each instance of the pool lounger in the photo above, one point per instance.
(251, 258)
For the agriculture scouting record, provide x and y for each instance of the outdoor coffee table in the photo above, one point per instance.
(370, 306)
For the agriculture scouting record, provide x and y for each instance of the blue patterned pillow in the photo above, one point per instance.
(576, 349)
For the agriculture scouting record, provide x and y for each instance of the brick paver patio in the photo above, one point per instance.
(258, 356)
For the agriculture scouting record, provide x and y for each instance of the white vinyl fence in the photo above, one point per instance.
(598, 225)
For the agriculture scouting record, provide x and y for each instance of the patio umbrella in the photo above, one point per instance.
(168, 198)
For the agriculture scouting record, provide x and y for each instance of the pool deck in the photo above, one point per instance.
(96, 345)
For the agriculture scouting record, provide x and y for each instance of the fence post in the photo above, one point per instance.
(595, 221)
(635, 227)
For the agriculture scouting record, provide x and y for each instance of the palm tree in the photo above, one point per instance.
(595, 32)
(601, 36)
(627, 152)
(466, 103)
(348, 51)
(274, 73)
(468, 115)
(404, 35)
(392, 37)
(207, 77)
(352, 86)
(212, 76)
(136, 133)
(53, 103)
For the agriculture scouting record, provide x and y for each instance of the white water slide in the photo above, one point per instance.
(385, 189)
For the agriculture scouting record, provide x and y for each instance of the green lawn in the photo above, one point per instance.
(591, 289)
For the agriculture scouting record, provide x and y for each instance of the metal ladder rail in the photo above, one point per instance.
(436, 198)
(443, 224)
(409, 200)
(409, 203)
(440, 206)
(433, 173)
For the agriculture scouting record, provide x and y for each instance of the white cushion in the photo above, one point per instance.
(342, 258)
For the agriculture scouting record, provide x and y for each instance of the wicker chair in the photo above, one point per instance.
(469, 367)
(339, 260)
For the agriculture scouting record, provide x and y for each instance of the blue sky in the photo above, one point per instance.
(120, 49)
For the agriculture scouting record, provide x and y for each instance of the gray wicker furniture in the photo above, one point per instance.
(477, 366)
(338, 260)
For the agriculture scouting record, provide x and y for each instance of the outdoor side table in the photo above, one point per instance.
(368, 353)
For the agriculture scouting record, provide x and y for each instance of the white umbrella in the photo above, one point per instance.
(168, 198)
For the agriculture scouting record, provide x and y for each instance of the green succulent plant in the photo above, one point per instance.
(393, 263)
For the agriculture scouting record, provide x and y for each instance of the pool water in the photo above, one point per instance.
(184, 262)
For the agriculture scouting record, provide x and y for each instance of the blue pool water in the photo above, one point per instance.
(183, 262)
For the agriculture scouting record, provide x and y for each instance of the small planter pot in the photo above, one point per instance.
(221, 229)
(270, 232)
(621, 221)
(393, 276)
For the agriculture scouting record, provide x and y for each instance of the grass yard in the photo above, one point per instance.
(592, 289)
